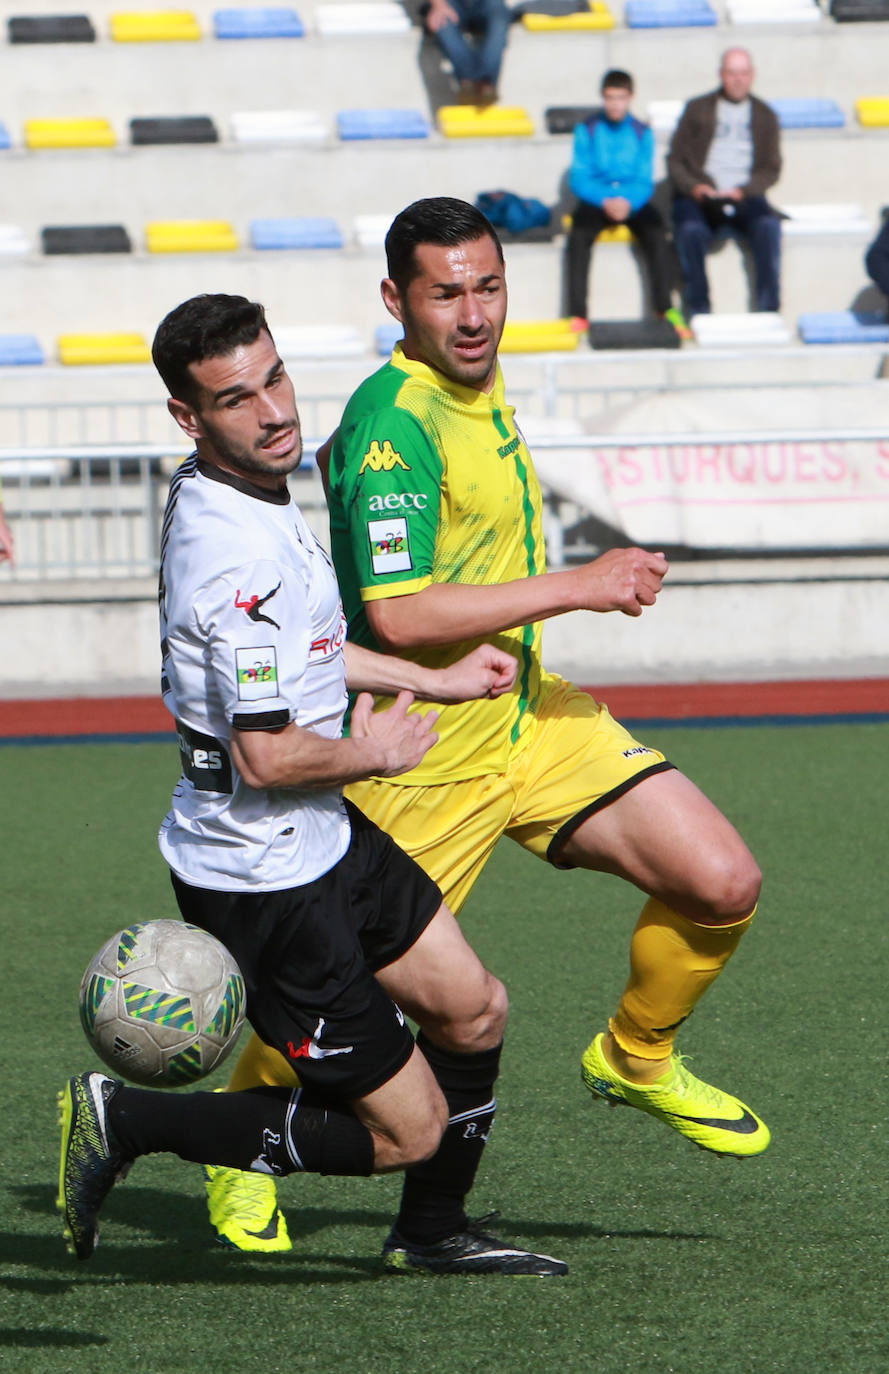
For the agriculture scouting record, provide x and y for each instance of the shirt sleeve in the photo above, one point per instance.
(391, 493)
(255, 625)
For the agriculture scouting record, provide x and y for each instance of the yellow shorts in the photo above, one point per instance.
(576, 760)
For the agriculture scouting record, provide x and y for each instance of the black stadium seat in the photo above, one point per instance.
(562, 119)
(85, 238)
(633, 334)
(859, 11)
(174, 129)
(51, 28)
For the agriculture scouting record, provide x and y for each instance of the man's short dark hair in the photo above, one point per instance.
(441, 220)
(617, 80)
(202, 327)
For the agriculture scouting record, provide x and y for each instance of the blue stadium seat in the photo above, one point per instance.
(259, 23)
(668, 14)
(20, 350)
(357, 124)
(308, 232)
(386, 336)
(843, 326)
(804, 113)
(5, 140)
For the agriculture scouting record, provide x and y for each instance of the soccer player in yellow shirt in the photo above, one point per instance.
(436, 532)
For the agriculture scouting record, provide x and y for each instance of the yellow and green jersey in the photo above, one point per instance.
(431, 482)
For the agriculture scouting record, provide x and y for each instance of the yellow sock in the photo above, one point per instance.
(261, 1066)
(673, 961)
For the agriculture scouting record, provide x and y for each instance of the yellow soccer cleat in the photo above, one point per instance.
(710, 1118)
(244, 1210)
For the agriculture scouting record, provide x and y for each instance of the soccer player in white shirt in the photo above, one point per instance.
(337, 932)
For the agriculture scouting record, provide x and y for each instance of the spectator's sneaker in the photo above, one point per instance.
(91, 1161)
(711, 1118)
(244, 1210)
(677, 320)
(472, 1251)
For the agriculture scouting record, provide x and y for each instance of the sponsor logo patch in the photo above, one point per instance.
(389, 545)
(382, 458)
(257, 671)
(326, 646)
(399, 500)
(253, 605)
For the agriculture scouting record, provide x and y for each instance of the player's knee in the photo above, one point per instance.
(484, 1024)
(732, 886)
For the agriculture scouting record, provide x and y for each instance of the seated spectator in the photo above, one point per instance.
(612, 174)
(724, 156)
(877, 259)
(472, 35)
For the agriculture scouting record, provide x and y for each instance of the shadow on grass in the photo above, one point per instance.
(47, 1336)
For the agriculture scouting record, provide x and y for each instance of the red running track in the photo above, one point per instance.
(147, 715)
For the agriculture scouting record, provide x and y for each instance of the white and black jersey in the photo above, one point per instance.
(252, 631)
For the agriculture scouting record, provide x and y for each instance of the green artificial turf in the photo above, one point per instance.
(680, 1261)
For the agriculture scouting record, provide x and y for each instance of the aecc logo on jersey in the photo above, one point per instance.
(399, 500)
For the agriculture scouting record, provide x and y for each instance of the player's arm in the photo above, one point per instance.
(444, 613)
(382, 744)
(486, 672)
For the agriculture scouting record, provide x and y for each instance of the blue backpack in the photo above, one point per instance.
(506, 210)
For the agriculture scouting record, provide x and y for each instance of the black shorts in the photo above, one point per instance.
(308, 955)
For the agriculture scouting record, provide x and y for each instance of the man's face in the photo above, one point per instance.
(453, 310)
(616, 103)
(736, 75)
(245, 413)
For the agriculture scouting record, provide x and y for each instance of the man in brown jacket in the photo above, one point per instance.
(724, 156)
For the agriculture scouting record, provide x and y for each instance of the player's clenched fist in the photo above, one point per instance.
(398, 741)
(622, 580)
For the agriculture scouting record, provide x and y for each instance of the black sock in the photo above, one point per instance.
(266, 1129)
(433, 1195)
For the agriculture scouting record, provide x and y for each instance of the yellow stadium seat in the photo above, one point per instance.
(873, 111)
(80, 349)
(154, 26)
(69, 133)
(539, 336)
(597, 16)
(495, 121)
(191, 236)
(621, 233)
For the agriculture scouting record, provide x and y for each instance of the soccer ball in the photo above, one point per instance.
(162, 1003)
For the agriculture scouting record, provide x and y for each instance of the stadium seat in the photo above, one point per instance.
(51, 28)
(754, 330)
(806, 113)
(259, 23)
(190, 236)
(859, 11)
(386, 336)
(564, 119)
(539, 336)
(5, 140)
(597, 15)
(77, 350)
(364, 17)
(664, 115)
(803, 220)
(278, 126)
(13, 241)
(873, 111)
(85, 238)
(843, 326)
(365, 124)
(774, 11)
(496, 121)
(633, 334)
(69, 133)
(308, 232)
(668, 14)
(154, 26)
(319, 341)
(172, 129)
(618, 233)
(20, 350)
(370, 230)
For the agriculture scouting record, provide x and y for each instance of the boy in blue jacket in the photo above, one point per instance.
(612, 174)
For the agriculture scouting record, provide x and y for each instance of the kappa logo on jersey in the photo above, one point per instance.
(639, 749)
(253, 606)
(311, 1049)
(328, 645)
(257, 673)
(506, 449)
(389, 545)
(399, 500)
(382, 458)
